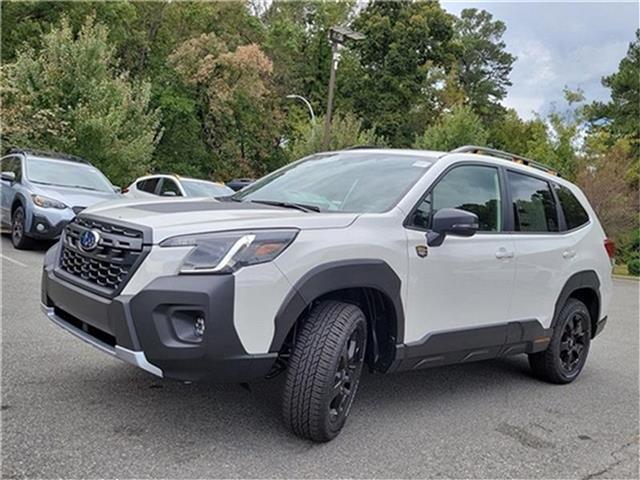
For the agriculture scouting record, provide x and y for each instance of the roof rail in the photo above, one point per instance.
(52, 155)
(505, 156)
(362, 147)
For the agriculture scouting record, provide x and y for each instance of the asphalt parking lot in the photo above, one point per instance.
(70, 411)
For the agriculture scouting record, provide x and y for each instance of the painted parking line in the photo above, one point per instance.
(16, 262)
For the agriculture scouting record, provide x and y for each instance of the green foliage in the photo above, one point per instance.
(240, 118)
(404, 42)
(634, 266)
(621, 116)
(69, 96)
(346, 131)
(483, 64)
(459, 127)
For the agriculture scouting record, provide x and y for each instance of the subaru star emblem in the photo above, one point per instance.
(89, 239)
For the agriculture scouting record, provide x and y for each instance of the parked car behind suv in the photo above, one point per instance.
(43, 191)
(393, 259)
(175, 186)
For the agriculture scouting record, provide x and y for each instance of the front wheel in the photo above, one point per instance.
(567, 352)
(324, 370)
(18, 236)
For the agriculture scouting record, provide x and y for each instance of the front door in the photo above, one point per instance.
(7, 190)
(464, 283)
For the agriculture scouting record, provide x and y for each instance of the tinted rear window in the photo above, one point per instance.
(148, 185)
(533, 207)
(574, 213)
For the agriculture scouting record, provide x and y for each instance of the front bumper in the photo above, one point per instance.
(134, 358)
(154, 329)
(47, 224)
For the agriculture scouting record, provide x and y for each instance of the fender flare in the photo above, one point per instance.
(20, 199)
(585, 279)
(339, 275)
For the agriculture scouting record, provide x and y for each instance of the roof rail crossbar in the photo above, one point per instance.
(46, 154)
(506, 156)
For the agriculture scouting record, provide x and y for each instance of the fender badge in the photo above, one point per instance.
(422, 250)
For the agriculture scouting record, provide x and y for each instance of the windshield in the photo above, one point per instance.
(66, 174)
(205, 189)
(355, 182)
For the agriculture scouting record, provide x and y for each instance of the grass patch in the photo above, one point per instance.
(622, 270)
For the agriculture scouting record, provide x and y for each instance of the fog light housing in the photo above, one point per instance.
(40, 227)
(198, 327)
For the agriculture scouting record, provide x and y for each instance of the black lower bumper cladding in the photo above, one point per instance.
(157, 325)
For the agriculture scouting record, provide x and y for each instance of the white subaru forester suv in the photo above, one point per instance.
(396, 259)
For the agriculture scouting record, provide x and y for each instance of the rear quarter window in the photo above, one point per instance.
(574, 213)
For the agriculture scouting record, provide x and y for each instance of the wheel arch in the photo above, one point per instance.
(18, 201)
(583, 286)
(369, 283)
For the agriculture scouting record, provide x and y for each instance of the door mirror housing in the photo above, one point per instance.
(451, 221)
(9, 177)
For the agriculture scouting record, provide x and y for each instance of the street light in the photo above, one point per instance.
(338, 36)
(306, 102)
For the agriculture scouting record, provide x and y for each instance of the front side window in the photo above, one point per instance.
(170, 188)
(534, 209)
(355, 182)
(12, 164)
(474, 188)
(574, 213)
(66, 174)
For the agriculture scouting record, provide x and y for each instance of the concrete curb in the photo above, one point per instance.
(625, 277)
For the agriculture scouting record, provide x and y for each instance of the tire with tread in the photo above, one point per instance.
(548, 365)
(314, 366)
(19, 238)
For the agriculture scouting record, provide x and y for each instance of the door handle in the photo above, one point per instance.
(568, 254)
(504, 253)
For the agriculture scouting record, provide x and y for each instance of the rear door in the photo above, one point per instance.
(543, 253)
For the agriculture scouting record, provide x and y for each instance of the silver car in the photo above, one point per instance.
(42, 192)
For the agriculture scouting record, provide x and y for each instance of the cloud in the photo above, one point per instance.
(560, 44)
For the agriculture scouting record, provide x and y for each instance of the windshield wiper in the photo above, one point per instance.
(84, 188)
(298, 206)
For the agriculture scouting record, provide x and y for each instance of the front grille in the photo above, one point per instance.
(106, 268)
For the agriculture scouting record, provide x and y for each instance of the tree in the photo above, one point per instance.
(602, 178)
(346, 131)
(71, 97)
(388, 86)
(621, 116)
(240, 119)
(459, 127)
(483, 64)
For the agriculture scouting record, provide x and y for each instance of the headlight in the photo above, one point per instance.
(227, 252)
(46, 202)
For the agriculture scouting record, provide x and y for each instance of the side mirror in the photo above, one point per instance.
(451, 221)
(116, 189)
(8, 177)
(169, 193)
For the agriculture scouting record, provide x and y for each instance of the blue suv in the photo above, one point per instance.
(42, 192)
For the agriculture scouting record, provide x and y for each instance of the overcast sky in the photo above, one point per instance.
(558, 44)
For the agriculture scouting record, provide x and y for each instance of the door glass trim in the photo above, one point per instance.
(502, 187)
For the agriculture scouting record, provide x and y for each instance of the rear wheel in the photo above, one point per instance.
(567, 353)
(18, 235)
(324, 370)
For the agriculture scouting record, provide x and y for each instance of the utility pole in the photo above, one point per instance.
(338, 36)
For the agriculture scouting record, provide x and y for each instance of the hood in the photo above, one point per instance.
(73, 197)
(183, 216)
